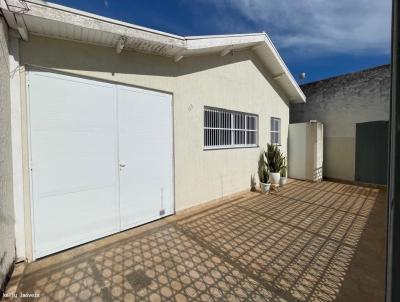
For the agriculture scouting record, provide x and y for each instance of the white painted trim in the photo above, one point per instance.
(173, 153)
(31, 255)
(222, 36)
(49, 11)
(282, 64)
(98, 17)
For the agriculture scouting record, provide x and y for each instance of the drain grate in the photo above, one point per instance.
(138, 279)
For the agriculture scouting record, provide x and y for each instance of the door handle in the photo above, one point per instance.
(122, 165)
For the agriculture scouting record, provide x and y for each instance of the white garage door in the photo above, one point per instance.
(101, 159)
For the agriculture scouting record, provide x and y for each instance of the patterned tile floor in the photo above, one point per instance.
(296, 244)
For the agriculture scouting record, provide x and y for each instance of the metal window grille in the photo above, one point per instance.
(229, 129)
(275, 130)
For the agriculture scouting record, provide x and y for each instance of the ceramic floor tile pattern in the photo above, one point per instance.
(296, 244)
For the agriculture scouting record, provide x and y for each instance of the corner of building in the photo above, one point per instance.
(7, 232)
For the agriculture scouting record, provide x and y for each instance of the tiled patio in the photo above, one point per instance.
(307, 242)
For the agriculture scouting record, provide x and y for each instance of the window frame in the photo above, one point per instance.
(232, 129)
(279, 131)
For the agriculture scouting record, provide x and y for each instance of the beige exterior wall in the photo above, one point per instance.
(7, 238)
(234, 82)
(131, 68)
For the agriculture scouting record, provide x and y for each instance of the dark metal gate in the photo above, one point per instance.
(371, 152)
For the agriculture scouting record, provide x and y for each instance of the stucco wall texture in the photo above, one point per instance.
(236, 81)
(7, 237)
(339, 103)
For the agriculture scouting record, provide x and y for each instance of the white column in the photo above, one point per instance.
(16, 141)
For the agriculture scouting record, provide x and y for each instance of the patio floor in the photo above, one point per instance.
(307, 242)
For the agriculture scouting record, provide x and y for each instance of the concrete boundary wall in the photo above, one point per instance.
(339, 103)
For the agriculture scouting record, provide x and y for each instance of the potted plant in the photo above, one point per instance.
(275, 163)
(283, 179)
(263, 174)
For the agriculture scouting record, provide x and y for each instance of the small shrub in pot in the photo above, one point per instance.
(275, 162)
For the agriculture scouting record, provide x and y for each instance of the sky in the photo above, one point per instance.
(322, 38)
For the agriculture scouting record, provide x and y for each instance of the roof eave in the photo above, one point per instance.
(297, 95)
(130, 36)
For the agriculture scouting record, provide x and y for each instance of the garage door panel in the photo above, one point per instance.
(74, 160)
(72, 153)
(75, 224)
(145, 149)
(61, 110)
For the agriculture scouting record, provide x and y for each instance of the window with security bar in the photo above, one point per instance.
(275, 130)
(229, 129)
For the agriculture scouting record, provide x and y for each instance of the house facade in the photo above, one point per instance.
(354, 109)
(109, 125)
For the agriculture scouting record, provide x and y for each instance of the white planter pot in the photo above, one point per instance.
(274, 178)
(283, 181)
(264, 187)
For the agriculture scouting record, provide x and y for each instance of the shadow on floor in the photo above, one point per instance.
(296, 244)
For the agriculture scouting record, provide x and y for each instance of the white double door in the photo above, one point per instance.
(100, 156)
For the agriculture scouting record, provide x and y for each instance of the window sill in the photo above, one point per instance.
(230, 148)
